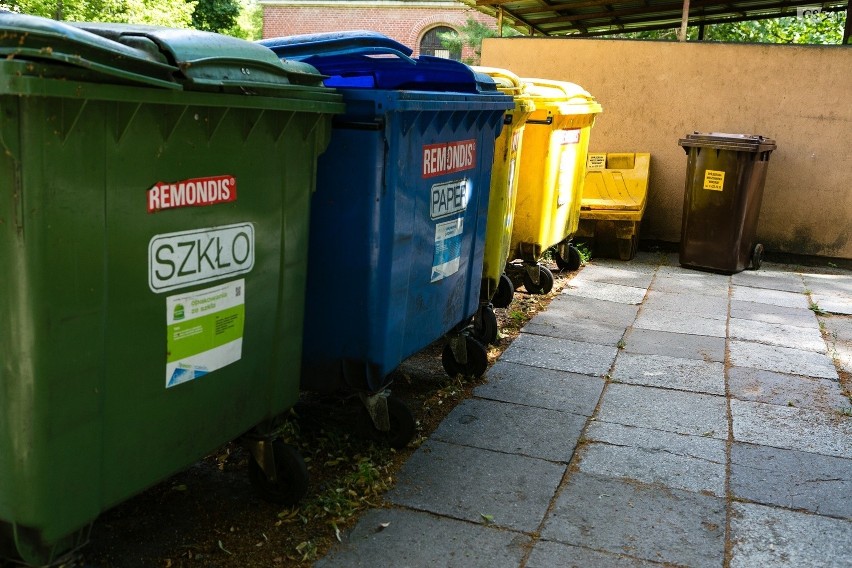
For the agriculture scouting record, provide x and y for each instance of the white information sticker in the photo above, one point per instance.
(448, 241)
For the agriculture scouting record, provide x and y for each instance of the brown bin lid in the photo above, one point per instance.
(725, 141)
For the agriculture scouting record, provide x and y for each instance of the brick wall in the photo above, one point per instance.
(405, 25)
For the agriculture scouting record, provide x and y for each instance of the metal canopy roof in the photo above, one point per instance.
(589, 18)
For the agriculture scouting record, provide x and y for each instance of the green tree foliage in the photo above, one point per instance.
(471, 35)
(215, 15)
(156, 12)
(249, 23)
(824, 28)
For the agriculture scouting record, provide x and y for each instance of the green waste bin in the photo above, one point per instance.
(156, 187)
(725, 175)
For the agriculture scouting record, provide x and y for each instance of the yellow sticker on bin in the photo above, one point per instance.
(714, 180)
(596, 162)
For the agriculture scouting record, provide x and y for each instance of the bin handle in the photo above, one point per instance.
(559, 85)
(496, 72)
(548, 120)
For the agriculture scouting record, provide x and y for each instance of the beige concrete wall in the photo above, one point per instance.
(653, 93)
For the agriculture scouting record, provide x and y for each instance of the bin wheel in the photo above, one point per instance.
(477, 360)
(545, 281)
(757, 257)
(573, 261)
(485, 325)
(402, 425)
(627, 248)
(505, 292)
(291, 472)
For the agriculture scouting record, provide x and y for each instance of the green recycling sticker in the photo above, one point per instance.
(204, 331)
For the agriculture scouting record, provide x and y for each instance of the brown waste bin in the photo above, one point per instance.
(725, 175)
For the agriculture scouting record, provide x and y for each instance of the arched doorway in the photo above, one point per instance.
(431, 43)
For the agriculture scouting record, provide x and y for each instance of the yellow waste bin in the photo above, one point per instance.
(552, 169)
(497, 288)
(614, 197)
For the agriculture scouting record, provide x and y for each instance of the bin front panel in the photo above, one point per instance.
(407, 227)
(101, 302)
(502, 201)
(722, 198)
(551, 177)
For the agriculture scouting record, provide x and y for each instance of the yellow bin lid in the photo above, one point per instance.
(568, 98)
(510, 84)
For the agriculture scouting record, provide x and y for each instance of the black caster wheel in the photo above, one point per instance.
(402, 425)
(505, 292)
(627, 248)
(571, 263)
(545, 281)
(477, 360)
(485, 325)
(291, 483)
(757, 257)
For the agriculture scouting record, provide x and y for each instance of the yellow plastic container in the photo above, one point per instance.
(504, 185)
(613, 202)
(552, 168)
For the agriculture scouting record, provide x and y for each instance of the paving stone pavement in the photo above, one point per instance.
(652, 415)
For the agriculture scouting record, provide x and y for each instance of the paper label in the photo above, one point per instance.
(449, 198)
(204, 331)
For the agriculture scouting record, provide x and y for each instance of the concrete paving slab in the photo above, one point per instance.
(786, 390)
(766, 536)
(839, 337)
(544, 388)
(638, 276)
(795, 480)
(680, 412)
(642, 262)
(833, 304)
(396, 537)
(830, 283)
(644, 521)
(603, 291)
(804, 338)
(670, 372)
(781, 359)
(682, 345)
(800, 429)
(772, 297)
(679, 281)
(467, 483)
(709, 307)
(560, 354)
(575, 308)
(589, 331)
(691, 463)
(513, 429)
(783, 315)
(674, 322)
(772, 277)
(547, 554)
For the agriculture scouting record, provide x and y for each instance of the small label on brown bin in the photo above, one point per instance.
(714, 180)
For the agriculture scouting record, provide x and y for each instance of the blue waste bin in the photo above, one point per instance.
(398, 219)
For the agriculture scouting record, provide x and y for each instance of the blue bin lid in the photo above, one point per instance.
(370, 60)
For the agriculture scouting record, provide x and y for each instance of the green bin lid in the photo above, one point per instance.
(724, 141)
(210, 61)
(32, 38)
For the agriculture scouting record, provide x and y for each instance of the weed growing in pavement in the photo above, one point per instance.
(814, 307)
